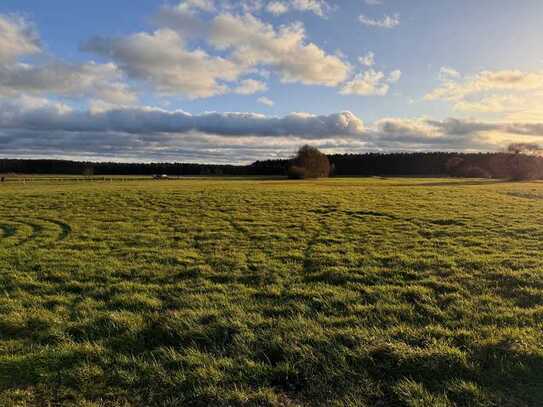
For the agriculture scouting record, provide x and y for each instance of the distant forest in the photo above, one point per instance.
(480, 165)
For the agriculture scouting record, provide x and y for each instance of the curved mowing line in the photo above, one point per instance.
(524, 195)
(7, 230)
(65, 229)
(36, 230)
(15, 234)
(421, 223)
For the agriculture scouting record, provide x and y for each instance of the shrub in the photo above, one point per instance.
(458, 167)
(473, 171)
(524, 167)
(454, 165)
(309, 163)
(295, 172)
(88, 170)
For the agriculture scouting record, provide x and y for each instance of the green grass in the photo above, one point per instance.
(361, 292)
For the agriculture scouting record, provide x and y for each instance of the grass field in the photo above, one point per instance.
(362, 292)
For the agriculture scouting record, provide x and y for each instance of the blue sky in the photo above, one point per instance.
(364, 75)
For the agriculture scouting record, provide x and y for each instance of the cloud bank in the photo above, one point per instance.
(37, 127)
(515, 93)
(43, 116)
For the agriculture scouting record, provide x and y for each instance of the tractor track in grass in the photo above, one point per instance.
(18, 232)
(324, 229)
(65, 228)
(7, 230)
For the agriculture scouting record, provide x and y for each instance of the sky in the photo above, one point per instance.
(238, 81)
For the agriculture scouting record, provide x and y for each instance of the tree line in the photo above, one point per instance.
(512, 165)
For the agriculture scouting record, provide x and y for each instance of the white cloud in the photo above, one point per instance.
(184, 9)
(385, 22)
(25, 103)
(247, 45)
(462, 127)
(44, 117)
(447, 73)
(250, 86)
(516, 94)
(17, 37)
(284, 51)
(318, 7)
(103, 81)
(374, 2)
(277, 7)
(367, 60)
(366, 84)
(162, 60)
(265, 101)
(370, 83)
(484, 81)
(206, 5)
(54, 77)
(192, 6)
(451, 134)
(394, 76)
(246, 6)
(184, 19)
(491, 104)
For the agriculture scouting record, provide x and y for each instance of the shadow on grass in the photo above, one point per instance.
(7, 231)
(65, 229)
(451, 183)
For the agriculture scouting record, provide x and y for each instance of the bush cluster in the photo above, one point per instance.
(309, 163)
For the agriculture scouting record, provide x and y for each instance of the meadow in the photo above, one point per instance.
(262, 292)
